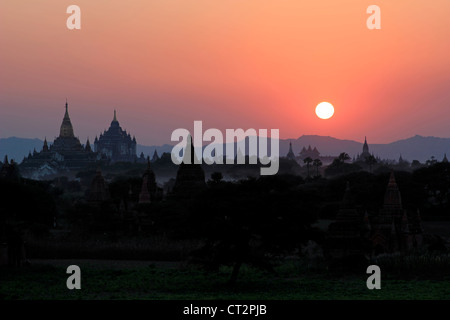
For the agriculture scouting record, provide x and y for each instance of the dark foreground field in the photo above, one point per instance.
(161, 281)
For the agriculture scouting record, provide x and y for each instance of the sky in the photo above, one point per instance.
(262, 64)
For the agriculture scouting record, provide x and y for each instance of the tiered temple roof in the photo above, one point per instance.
(66, 153)
(311, 153)
(116, 143)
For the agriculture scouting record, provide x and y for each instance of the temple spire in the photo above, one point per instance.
(189, 156)
(392, 182)
(392, 197)
(155, 156)
(290, 155)
(88, 146)
(67, 110)
(114, 122)
(45, 147)
(365, 148)
(66, 130)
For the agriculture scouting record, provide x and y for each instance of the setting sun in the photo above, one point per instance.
(324, 110)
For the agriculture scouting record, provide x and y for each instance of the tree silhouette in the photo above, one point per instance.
(216, 177)
(317, 163)
(343, 157)
(415, 164)
(431, 161)
(435, 180)
(338, 166)
(308, 162)
(249, 222)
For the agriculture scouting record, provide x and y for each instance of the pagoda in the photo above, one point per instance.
(116, 144)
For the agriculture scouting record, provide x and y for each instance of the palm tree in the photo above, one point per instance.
(317, 163)
(431, 161)
(308, 161)
(343, 157)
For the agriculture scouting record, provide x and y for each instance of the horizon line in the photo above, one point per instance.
(281, 139)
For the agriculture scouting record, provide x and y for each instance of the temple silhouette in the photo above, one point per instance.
(190, 175)
(365, 152)
(149, 191)
(313, 153)
(392, 230)
(309, 152)
(116, 144)
(66, 153)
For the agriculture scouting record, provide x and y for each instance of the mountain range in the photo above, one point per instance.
(415, 148)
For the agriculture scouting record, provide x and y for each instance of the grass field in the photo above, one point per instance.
(161, 281)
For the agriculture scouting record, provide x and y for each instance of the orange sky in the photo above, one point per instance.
(231, 63)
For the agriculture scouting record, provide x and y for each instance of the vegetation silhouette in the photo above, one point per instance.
(255, 221)
(250, 221)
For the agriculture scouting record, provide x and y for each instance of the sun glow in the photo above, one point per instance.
(324, 110)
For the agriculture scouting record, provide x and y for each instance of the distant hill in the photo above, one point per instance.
(149, 150)
(17, 148)
(417, 147)
(414, 148)
(327, 146)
